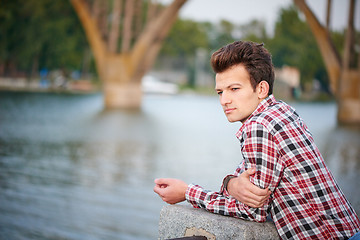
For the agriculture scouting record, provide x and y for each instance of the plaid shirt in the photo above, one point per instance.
(306, 202)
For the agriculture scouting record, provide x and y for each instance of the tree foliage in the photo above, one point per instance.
(254, 31)
(184, 38)
(44, 33)
(293, 44)
(39, 34)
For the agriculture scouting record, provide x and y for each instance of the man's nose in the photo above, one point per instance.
(224, 99)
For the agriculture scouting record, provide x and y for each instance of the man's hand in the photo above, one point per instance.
(246, 192)
(170, 190)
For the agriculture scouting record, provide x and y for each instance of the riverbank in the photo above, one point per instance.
(81, 86)
(84, 86)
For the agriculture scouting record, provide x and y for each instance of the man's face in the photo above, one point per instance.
(237, 97)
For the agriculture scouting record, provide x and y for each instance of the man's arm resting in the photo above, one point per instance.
(174, 191)
(225, 205)
(170, 190)
(246, 192)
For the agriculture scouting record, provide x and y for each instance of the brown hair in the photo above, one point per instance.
(253, 56)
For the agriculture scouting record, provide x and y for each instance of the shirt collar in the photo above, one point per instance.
(270, 100)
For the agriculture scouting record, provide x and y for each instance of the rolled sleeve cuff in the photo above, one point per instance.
(192, 195)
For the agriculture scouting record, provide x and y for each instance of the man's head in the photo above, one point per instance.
(253, 56)
(244, 77)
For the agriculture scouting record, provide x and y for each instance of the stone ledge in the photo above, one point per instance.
(177, 221)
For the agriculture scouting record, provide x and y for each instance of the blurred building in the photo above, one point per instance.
(287, 83)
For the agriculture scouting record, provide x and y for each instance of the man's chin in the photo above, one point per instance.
(231, 120)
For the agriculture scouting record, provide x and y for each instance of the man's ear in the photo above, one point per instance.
(262, 89)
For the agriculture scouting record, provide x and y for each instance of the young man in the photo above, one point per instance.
(279, 153)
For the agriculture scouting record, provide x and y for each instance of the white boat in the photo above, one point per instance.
(151, 84)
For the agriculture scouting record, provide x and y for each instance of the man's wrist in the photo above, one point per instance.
(227, 180)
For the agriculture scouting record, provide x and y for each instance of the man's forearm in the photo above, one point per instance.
(225, 205)
(245, 191)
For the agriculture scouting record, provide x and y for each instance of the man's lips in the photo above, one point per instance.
(228, 110)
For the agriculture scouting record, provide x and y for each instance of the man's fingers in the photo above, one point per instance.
(247, 192)
(255, 198)
(254, 201)
(249, 172)
(260, 194)
(158, 189)
(254, 189)
(160, 185)
(259, 191)
(161, 181)
(161, 191)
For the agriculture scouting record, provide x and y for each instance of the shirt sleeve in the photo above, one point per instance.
(259, 150)
(216, 202)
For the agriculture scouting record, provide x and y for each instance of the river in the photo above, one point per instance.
(71, 170)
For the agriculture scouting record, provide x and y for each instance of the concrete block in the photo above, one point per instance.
(178, 221)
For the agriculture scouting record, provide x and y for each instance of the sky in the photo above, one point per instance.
(243, 11)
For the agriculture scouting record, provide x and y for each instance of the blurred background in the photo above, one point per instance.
(79, 148)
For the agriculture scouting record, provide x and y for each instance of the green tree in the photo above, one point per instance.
(293, 44)
(37, 34)
(181, 45)
(223, 33)
(254, 31)
(121, 71)
(184, 38)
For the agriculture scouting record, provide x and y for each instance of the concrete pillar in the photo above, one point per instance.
(349, 98)
(178, 221)
(122, 95)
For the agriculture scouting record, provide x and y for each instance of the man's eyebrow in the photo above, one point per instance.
(229, 86)
(217, 89)
(234, 84)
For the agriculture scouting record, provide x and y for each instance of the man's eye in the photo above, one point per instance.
(234, 89)
(219, 93)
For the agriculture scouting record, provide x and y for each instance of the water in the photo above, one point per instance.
(70, 170)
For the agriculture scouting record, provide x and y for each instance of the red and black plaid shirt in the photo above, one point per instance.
(306, 202)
